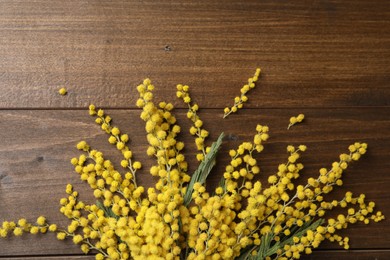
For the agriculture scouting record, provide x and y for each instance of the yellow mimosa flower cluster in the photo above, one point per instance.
(240, 100)
(295, 120)
(197, 129)
(23, 226)
(178, 217)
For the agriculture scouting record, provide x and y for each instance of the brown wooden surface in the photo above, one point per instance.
(329, 254)
(326, 59)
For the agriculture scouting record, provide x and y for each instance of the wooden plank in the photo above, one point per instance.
(319, 254)
(37, 145)
(68, 257)
(101, 50)
(349, 255)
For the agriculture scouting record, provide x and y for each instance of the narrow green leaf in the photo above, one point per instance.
(245, 253)
(299, 233)
(204, 169)
(268, 248)
(264, 246)
(107, 210)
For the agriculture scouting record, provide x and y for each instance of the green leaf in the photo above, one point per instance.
(222, 184)
(107, 210)
(204, 169)
(245, 253)
(299, 233)
(267, 248)
(264, 246)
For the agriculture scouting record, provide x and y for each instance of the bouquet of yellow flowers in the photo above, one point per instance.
(179, 218)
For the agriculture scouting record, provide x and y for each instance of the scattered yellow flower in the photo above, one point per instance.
(240, 100)
(296, 119)
(62, 91)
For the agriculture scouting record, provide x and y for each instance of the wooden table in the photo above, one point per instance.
(326, 59)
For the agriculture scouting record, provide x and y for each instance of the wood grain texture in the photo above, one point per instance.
(319, 254)
(101, 50)
(328, 59)
(349, 255)
(68, 257)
